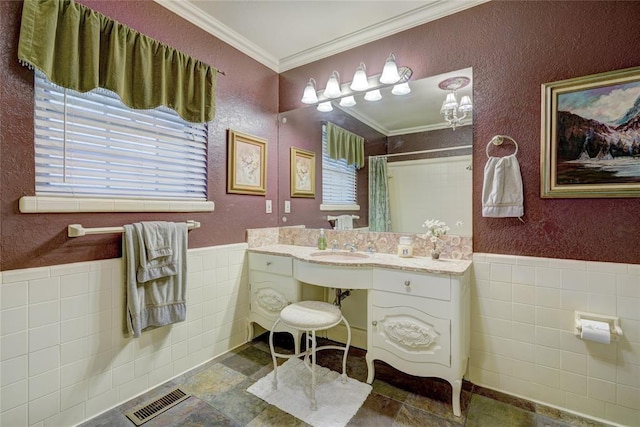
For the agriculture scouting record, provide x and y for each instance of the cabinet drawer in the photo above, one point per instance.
(271, 263)
(437, 286)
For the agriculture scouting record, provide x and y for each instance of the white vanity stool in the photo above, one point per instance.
(309, 317)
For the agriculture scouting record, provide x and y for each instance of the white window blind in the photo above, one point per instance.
(92, 145)
(339, 179)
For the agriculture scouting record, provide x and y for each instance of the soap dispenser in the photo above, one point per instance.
(322, 240)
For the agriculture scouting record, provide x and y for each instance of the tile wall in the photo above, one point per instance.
(522, 338)
(64, 357)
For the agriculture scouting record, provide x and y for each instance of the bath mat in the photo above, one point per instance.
(337, 402)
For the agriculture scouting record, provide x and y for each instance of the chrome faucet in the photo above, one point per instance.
(352, 247)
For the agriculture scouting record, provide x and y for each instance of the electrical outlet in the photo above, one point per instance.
(287, 206)
(269, 206)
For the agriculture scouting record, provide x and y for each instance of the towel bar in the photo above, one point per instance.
(77, 230)
(333, 218)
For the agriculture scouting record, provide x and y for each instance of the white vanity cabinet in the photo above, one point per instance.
(271, 287)
(419, 324)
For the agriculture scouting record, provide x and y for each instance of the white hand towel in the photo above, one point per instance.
(502, 195)
(344, 222)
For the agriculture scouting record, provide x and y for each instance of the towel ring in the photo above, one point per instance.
(498, 140)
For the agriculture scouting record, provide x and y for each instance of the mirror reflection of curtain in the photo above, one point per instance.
(379, 212)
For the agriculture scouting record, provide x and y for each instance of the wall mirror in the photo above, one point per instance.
(435, 182)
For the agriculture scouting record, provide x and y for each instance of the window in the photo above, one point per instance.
(339, 181)
(91, 145)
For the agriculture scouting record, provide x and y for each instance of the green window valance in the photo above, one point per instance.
(342, 144)
(80, 49)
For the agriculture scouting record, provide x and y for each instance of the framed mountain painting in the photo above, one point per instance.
(591, 136)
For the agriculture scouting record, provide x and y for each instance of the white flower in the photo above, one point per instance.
(435, 229)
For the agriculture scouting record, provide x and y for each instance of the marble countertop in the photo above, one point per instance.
(360, 259)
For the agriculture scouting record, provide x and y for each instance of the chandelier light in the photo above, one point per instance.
(392, 75)
(454, 113)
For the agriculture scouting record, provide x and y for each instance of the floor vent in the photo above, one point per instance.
(143, 413)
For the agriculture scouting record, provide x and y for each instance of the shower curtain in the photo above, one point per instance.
(379, 211)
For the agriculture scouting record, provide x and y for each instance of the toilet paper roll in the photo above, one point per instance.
(593, 330)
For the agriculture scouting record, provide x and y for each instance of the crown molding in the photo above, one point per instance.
(216, 28)
(430, 12)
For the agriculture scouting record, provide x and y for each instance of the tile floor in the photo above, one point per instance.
(219, 397)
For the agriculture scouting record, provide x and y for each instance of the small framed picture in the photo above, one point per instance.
(303, 173)
(590, 143)
(247, 164)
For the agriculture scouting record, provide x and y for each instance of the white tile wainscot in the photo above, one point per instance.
(522, 340)
(64, 357)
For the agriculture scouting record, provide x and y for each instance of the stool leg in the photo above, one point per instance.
(346, 351)
(273, 356)
(312, 398)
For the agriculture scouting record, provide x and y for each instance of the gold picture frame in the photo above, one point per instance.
(588, 147)
(247, 164)
(303, 173)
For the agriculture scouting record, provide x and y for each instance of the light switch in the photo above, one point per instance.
(287, 206)
(269, 206)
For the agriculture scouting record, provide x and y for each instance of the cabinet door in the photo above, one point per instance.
(404, 330)
(270, 293)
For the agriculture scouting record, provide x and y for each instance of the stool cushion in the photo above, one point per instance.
(310, 315)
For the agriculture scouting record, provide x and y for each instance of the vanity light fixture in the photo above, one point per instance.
(392, 75)
(373, 95)
(333, 86)
(454, 113)
(360, 81)
(390, 71)
(309, 96)
(325, 107)
(348, 101)
(401, 89)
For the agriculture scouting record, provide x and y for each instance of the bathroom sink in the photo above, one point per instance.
(338, 256)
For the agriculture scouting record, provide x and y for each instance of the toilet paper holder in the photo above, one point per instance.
(613, 321)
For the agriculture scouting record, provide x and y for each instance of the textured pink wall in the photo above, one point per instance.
(514, 47)
(246, 101)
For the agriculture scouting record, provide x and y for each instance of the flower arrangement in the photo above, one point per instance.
(435, 229)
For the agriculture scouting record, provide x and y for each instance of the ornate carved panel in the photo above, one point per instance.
(410, 332)
(271, 300)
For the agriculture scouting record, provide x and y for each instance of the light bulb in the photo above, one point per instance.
(360, 81)
(465, 104)
(348, 101)
(390, 71)
(401, 89)
(450, 102)
(373, 95)
(333, 86)
(325, 107)
(309, 96)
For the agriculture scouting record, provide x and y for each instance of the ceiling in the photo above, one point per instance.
(286, 34)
